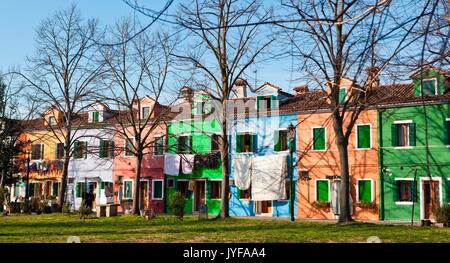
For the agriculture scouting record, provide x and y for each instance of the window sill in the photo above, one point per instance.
(403, 147)
(157, 199)
(324, 150)
(363, 149)
(403, 203)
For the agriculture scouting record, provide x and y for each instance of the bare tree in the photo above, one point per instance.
(137, 67)
(360, 41)
(224, 41)
(62, 74)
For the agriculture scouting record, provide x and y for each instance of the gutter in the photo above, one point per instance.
(380, 166)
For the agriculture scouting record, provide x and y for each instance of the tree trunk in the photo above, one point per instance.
(344, 195)
(137, 182)
(2, 179)
(62, 192)
(224, 204)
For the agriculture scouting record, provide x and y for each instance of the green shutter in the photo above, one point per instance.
(363, 136)
(238, 143)
(253, 143)
(101, 150)
(319, 138)
(102, 185)
(394, 135)
(55, 188)
(209, 189)
(342, 93)
(365, 190)
(276, 138)
(322, 191)
(447, 132)
(257, 102)
(42, 151)
(111, 149)
(78, 189)
(412, 134)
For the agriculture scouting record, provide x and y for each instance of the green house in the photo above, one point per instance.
(414, 148)
(195, 135)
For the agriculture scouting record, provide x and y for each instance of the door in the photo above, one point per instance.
(143, 194)
(92, 190)
(334, 196)
(199, 195)
(430, 190)
(263, 208)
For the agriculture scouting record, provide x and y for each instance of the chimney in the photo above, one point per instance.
(186, 93)
(301, 89)
(240, 88)
(373, 79)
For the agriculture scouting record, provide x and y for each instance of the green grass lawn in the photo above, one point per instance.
(57, 227)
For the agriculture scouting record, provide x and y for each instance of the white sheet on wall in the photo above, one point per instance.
(171, 164)
(268, 177)
(187, 163)
(242, 171)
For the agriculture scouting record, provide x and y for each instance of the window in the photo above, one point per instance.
(264, 102)
(129, 147)
(447, 131)
(16, 189)
(80, 150)
(404, 190)
(365, 190)
(318, 139)
(245, 143)
(37, 151)
(200, 107)
(128, 190)
(106, 149)
(322, 190)
(159, 146)
(281, 140)
(184, 144)
(429, 87)
(403, 134)
(214, 189)
(183, 188)
(80, 189)
(288, 189)
(214, 142)
(51, 120)
(363, 138)
(342, 95)
(59, 152)
(157, 189)
(245, 194)
(145, 112)
(170, 183)
(95, 116)
(55, 190)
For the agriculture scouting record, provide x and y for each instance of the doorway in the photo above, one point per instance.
(430, 197)
(92, 189)
(143, 191)
(263, 208)
(199, 195)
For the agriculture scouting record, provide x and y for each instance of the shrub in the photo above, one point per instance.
(36, 204)
(25, 207)
(45, 207)
(84, 210)
(66, 208)
(177, 204)
(367, 205)
(3, 193)
(442, 214)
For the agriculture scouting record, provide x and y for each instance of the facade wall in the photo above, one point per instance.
(410, 163)
(264, 127)
(363, 164)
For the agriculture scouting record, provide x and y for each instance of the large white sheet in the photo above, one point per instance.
(268, 177)
(171, 164)
(242, 171)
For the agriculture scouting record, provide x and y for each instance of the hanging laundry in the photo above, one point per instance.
(187, 163)
(172, 164)
(191, 185)
(208, 160)
(242, 171)
(268, 177)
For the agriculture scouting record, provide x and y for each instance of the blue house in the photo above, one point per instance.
(261, 129)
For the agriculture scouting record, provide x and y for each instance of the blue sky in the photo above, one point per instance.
(19, 18)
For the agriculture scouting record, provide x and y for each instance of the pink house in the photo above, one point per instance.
(152, 172)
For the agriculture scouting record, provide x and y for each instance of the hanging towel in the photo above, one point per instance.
(242, 171)
(191, 185)
(172, 164)
(268, 177)
(187, 163)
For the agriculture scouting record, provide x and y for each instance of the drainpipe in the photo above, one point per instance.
(380, 166)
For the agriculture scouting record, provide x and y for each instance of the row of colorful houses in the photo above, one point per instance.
(399, 153)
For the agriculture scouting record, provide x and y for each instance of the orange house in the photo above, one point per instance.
(318, 165)
(152, 169)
